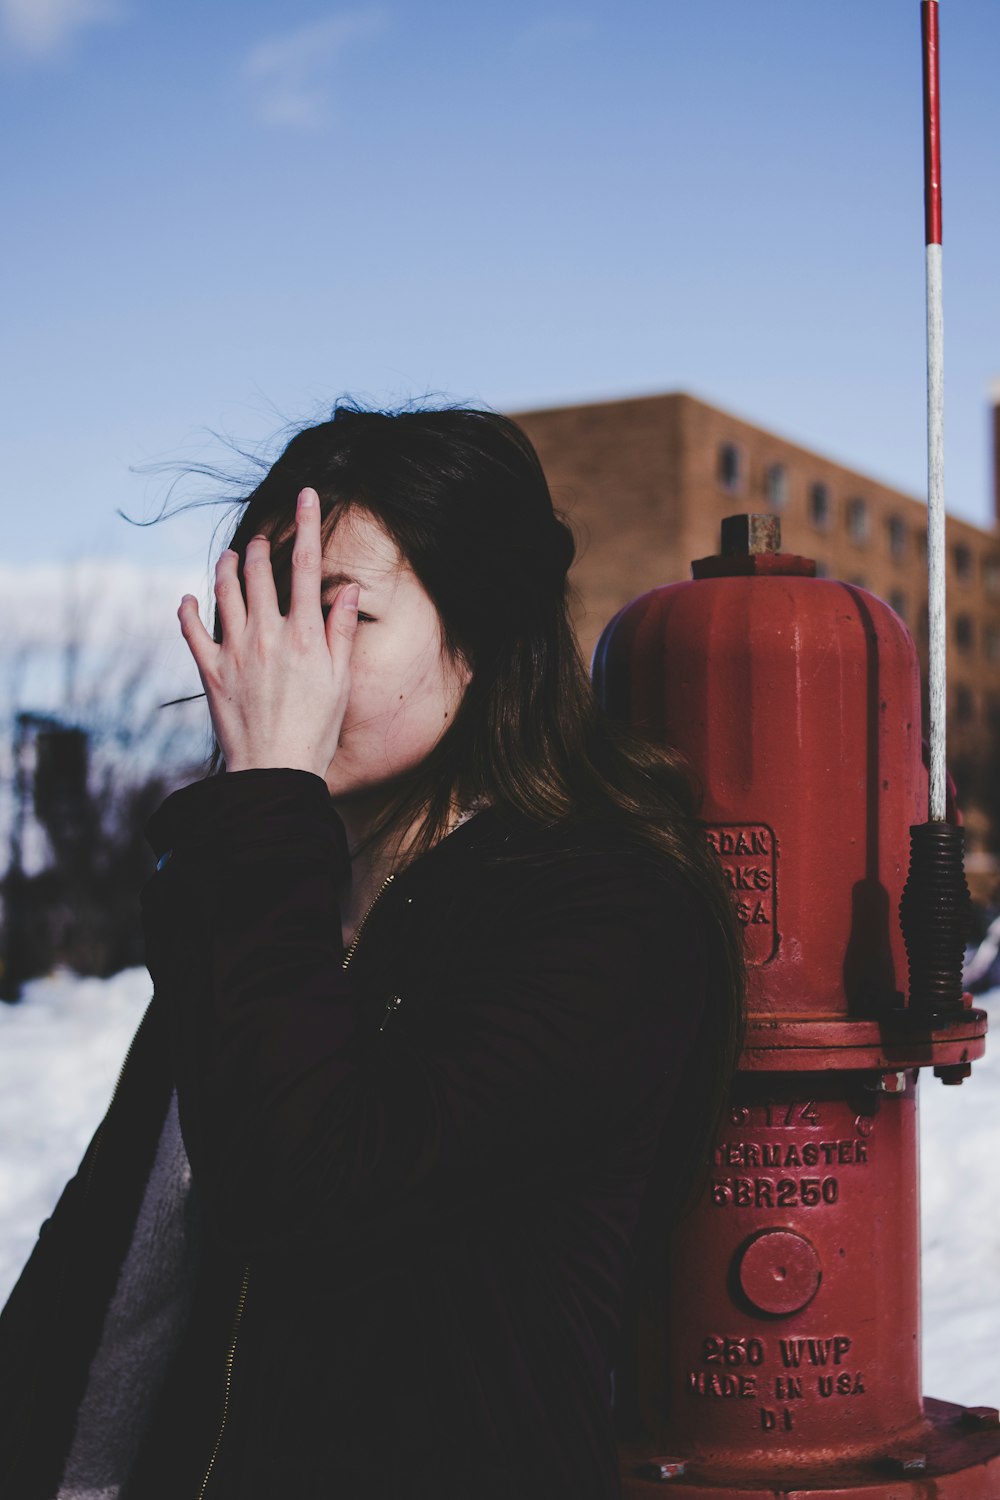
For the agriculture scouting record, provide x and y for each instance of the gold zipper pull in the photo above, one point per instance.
(391, 1006)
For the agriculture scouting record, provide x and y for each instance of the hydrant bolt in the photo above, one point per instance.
(979, 1417)
(953, 1072)
(907, 1461)
(661, 1468)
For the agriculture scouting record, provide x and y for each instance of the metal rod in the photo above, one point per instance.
(937, 631)
(934, 908)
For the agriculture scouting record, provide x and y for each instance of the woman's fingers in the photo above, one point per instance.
(199, 642)
(342, 626)
(277, 696)
(305, 607)
(262, 596)
(229, 596)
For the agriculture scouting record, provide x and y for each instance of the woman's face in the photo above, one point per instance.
(405, 688)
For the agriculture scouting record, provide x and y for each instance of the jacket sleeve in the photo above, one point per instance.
(304, 1126)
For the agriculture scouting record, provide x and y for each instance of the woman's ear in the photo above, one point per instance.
(461, 667)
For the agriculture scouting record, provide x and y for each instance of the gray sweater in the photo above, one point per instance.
(144, 1321)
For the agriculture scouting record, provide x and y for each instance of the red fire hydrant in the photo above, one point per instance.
(780, 1355)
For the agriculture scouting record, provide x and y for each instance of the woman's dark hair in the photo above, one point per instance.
(462, 494)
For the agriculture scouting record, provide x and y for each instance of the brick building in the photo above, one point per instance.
(647, 481)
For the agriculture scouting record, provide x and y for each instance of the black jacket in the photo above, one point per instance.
(419, 1176)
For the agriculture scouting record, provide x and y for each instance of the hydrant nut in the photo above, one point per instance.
(907, 1461)
(953, 1072)
(661, 1468)
(979, 1417)
(779, 1271)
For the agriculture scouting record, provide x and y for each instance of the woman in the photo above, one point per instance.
(443, 972)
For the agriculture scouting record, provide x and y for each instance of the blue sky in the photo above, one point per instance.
(220, 217)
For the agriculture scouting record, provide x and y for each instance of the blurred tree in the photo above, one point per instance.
(80, 780)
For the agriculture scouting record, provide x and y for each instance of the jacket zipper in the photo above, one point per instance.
(230, 1357)
(396, 999)
(241, 1303)
(357, 931)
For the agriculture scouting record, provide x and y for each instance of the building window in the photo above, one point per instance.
(822, 571)
(965, 705)
(991, 642)
(858, 580)
(776, 486)
(819, 506)
(963, 632)
(991, 576)
(857, 521)
(920, 537)
(729, 467)
(897, 538)
(962, 557)
(993, 710)
(897, 601)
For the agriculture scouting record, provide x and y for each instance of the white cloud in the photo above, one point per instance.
(292, 72)
(102, 601)
(39, 27)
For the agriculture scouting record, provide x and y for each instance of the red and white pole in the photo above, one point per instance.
(937, 631)
(934, 909)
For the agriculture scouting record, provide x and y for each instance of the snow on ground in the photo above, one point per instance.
(960, 1222)
(61, 1049)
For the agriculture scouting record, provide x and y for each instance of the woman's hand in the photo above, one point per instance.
(277, 687)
